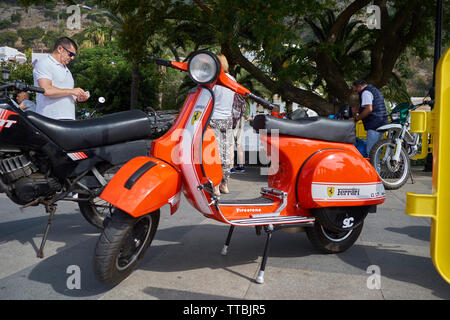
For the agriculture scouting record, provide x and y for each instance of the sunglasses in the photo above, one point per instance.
(71, 54)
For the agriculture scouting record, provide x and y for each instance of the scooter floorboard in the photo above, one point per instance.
(271, 220)
(242, 202)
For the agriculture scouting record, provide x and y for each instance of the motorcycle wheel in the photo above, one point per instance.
(95, 210)
(329, 241)
(393, 174)
(122, 245)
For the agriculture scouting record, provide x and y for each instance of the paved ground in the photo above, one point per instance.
(184, 261)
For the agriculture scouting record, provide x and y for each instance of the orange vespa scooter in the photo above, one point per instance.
(317, 179)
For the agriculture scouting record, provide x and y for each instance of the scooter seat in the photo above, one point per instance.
(74, 135)
(316, 128)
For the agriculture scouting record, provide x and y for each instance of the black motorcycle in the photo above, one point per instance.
(43, 161)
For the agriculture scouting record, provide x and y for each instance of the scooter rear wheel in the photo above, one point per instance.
(122, 245)
(329, 241)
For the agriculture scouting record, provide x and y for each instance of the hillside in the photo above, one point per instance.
(38, 26)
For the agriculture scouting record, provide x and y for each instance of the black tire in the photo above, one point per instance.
(393, 175)
(122, 245)
(340, 219)
(328, 241)
(95, 210)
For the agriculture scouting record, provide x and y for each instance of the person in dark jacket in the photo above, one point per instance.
(372, 111)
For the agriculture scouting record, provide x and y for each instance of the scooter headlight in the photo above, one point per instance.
(395, 116)
(204, 67)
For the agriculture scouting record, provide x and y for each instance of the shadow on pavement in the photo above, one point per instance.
(202, 246)
(171, 294)
(396, 264)
(78, 238)
(416, 232)
(54, 271)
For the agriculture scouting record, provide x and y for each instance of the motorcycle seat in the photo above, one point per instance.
(316, 128)
(74, 135)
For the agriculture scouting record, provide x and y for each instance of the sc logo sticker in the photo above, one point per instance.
(348, 222)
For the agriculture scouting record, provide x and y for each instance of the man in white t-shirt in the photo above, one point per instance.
(51, 73)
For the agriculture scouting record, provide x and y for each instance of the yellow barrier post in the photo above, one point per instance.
(437, 205)
(421, 123)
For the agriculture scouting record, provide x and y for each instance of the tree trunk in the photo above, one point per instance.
(287, 91)
(134, 84)
(162, 71)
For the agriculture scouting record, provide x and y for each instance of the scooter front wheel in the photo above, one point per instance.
(329, 241)
(122, 245)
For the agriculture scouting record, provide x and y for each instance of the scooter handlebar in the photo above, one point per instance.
(261, 101)
(34, 89)
(22, 87)
(225, 80)
(171, 64)
(162, 62)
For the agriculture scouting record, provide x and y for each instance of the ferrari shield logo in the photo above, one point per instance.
(195, 117)
(330, 191)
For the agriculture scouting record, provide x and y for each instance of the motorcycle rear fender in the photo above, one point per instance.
(338, 178)
(143, 185)
(389, 127)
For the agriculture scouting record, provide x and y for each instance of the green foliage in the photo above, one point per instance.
(4, 24)
(8, 38)
(96, 18)
(23, 72)
(290, 45)
(51, 14)
(30, 35)
(16, 17)
(50, 4)
(105, 72)
(50, 38)
(395, 90)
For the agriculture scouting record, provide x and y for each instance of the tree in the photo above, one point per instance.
(5, 24)
(139, 22)
(105, 72)
(8, 38)
(20, 71)
(29, 36)
(16, 17)
(285, 51)
(306, 51)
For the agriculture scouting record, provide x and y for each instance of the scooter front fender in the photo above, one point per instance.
(391, 126)
(143, 185)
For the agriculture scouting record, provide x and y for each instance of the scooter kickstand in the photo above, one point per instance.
(227, 242)
(50, 208)
(260, 277)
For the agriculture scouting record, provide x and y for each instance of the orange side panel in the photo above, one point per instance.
(166, 147)
(335, 178)
(158, 186)
(297, 166)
